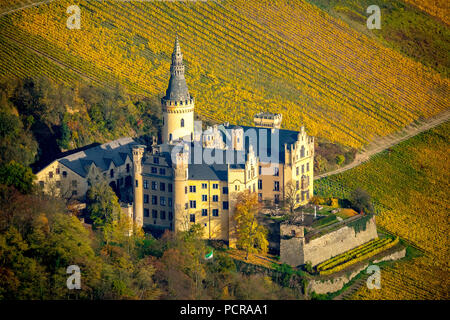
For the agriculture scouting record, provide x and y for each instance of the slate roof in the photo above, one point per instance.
(285, 137)
(177, 90)
(102, 156)
(205, 171)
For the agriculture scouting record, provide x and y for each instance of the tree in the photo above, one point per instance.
(320, 164)
(361, 201)
(15, 174)
(290, 196)
(340, 159)
(102, 204)
(251, 236)
(16, 143)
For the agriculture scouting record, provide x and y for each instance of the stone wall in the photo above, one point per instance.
(333, 284)
(295, 251)
(337, 242)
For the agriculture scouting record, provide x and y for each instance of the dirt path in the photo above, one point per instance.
(381, 144)
(32, 4)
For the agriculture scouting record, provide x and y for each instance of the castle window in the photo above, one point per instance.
(169, 202)
(182, 123)
(154, 200)
(193, 204)
(259, 197)
(276, 171)
(162, 201)
(146, 213)
(192, 218)
(154, 170)
(154, 214)
(74, 183)
(192, 189)
(156, 160)
(186, 205)
(215, 212)
(170, 137)
(225, 190)
(302, 151)
(41, 183)
(50, 174)
(163, 215)
(154, 185)
(303, 168)
(145, 184)
(57, 170)
(170, 215)
(277, 198)
(204, 186)
(145, 198)
(169, 187)
(307, 167)
(162, 186)
(260, 184)
(136, 183)
(225, 205)
(111, 173)
(204, 197)
(215, 186)
(215, 198)
(296, 170)
(297, 184)
(128, 167)
(64, 174)
(162, 171)
(276, 186)
(74, 192)
(259, 170)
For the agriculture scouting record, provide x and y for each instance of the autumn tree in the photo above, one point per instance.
(102, 204)
(251, 236)
(361, 201)
(290, 197)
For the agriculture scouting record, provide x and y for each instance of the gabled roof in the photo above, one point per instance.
(101, 156)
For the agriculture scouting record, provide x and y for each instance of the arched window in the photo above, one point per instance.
(302, 152)
(182, 123)
(170, 137)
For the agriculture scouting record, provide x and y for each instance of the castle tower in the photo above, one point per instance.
(177, 105)
(180, 167)
(138, 201)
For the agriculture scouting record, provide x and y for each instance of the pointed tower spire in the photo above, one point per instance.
(177, 90)
(177, 105)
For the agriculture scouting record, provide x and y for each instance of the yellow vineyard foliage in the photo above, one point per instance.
(241, 57)
(411, 181)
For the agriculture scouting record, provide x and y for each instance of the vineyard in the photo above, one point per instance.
(437, 8)
(356, 255)
(241, 57)
(411, 182)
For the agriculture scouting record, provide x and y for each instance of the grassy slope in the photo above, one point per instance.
(411, 181)
(241, 56)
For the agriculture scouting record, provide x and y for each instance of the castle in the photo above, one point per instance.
(193, 176)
